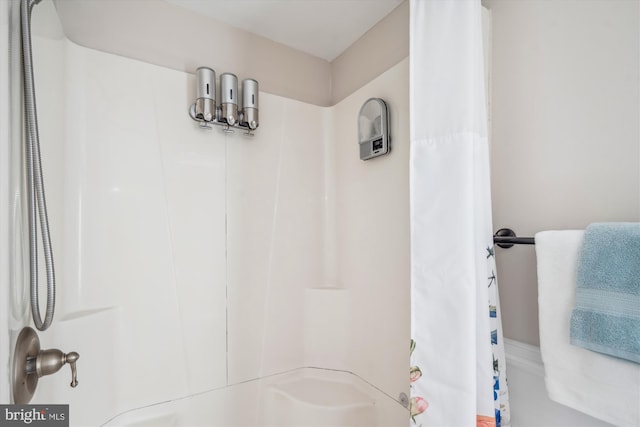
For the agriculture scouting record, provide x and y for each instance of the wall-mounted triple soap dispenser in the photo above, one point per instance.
(206, 112)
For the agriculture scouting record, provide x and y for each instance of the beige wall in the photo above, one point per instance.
(383, 46)
(566, 130)
(182, 40)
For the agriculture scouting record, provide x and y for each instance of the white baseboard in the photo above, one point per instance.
(529, 400)
(524, 356)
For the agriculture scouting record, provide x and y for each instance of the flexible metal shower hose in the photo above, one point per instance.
(35, 186)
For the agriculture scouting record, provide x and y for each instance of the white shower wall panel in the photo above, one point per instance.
(372, 229)
(141, 251)
(194, 171)
(275, 198)
(140, 203)
(125, 233)
(13, 309)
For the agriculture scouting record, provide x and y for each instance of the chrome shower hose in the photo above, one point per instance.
(35, 186)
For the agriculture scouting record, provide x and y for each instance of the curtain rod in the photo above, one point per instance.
(506, 238)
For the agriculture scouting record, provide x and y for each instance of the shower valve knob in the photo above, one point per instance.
(31, 363)
(50, 361)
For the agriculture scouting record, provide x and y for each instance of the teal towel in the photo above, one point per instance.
(606, 317)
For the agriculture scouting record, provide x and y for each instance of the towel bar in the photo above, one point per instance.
(506, 237)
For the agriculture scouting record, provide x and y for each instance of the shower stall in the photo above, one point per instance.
(206, 278)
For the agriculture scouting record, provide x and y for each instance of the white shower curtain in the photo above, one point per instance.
(457, 363)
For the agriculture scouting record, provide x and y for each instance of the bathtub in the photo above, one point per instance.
(322, 397)
(302, 397)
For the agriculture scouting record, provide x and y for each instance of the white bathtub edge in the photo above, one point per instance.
(229, 402)
(524, 356)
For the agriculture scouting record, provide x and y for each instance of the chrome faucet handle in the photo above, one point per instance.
(50, 361)
(30, 363)
(71, 359)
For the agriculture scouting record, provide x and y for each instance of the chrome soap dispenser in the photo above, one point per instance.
(227, 115)
(206, 94)
(229, 89)
(250, 103)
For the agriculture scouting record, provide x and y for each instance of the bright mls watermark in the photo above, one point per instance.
(34, 415)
